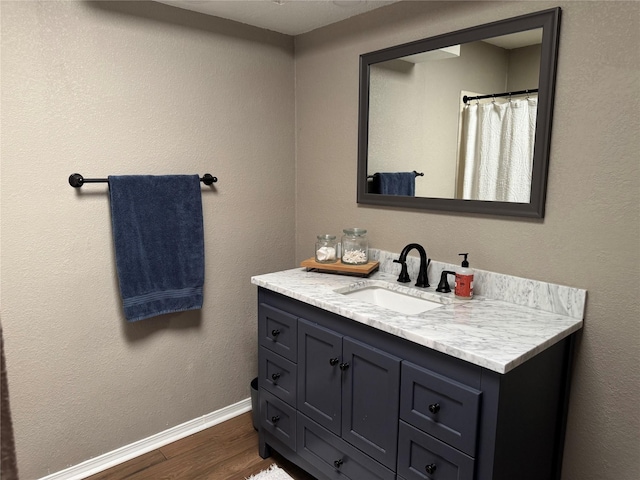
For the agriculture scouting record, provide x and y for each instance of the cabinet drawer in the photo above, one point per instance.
(278, 331)
(277, 375)
(442, 407)
(334, 457)
(420, 457)
(278, 418)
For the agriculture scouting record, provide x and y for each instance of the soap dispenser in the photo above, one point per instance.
(464, 280)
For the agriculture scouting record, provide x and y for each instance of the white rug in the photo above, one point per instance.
(272, 473)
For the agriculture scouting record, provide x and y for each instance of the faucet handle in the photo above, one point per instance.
(404, 275)
(443, 286)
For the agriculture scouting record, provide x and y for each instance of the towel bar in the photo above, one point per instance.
(417, 174)
(76, 180)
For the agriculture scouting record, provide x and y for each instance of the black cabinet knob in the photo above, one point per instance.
(338, 463)
(333, 361)
(275, 377)
(275, 332)
(275, 419)
(434, 407)
(344, 366)
(431, 468)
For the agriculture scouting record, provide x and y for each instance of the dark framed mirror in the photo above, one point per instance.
(461, 121)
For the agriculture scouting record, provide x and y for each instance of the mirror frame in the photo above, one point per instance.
(549, 21)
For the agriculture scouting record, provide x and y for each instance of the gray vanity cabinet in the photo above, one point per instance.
(346, 401)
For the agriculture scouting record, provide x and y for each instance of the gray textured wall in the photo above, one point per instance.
(590, 235)
(133, 88)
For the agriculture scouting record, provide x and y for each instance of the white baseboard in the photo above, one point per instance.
(122, 454)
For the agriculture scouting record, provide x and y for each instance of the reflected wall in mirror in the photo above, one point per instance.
(461, 121)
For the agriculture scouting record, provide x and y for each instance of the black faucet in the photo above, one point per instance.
(422, 280)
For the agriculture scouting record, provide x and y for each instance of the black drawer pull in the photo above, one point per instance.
(275, 419)
(275, 332)
(434, 407)
(334, 361)
(344, 366)
(431, 468)
(338, 463)
(275, 377)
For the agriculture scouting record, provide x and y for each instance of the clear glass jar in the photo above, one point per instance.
(326, 249)
(355, 246)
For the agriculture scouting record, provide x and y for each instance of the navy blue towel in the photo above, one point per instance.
(397, 183)
(159, 243)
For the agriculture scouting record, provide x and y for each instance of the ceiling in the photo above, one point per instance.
(291, 17)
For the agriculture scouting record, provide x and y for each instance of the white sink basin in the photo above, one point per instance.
(399, 299)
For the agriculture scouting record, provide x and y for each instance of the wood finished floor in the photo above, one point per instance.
(226, 451)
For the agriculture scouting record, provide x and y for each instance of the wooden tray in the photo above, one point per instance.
(341, 268)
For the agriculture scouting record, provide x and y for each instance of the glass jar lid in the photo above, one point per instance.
(326, 237)
(355, 231)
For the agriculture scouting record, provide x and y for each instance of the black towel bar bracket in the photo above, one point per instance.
(76, 180)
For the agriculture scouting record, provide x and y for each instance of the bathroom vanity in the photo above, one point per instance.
(466, 390)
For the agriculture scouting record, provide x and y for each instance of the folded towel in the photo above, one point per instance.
(159, 243)
(397, 183)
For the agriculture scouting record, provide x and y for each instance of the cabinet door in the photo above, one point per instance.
(319, 374)
(370, 400)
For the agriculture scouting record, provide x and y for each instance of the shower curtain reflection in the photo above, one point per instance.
(497, 144)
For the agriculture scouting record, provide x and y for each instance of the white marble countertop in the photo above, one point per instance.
(494, 334)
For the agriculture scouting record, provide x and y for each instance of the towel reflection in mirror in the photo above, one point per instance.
(393, 183)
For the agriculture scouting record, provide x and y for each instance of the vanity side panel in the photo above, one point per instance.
(487, 425)
(529, 433)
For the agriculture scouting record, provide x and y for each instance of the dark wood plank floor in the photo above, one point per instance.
(226, 451)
